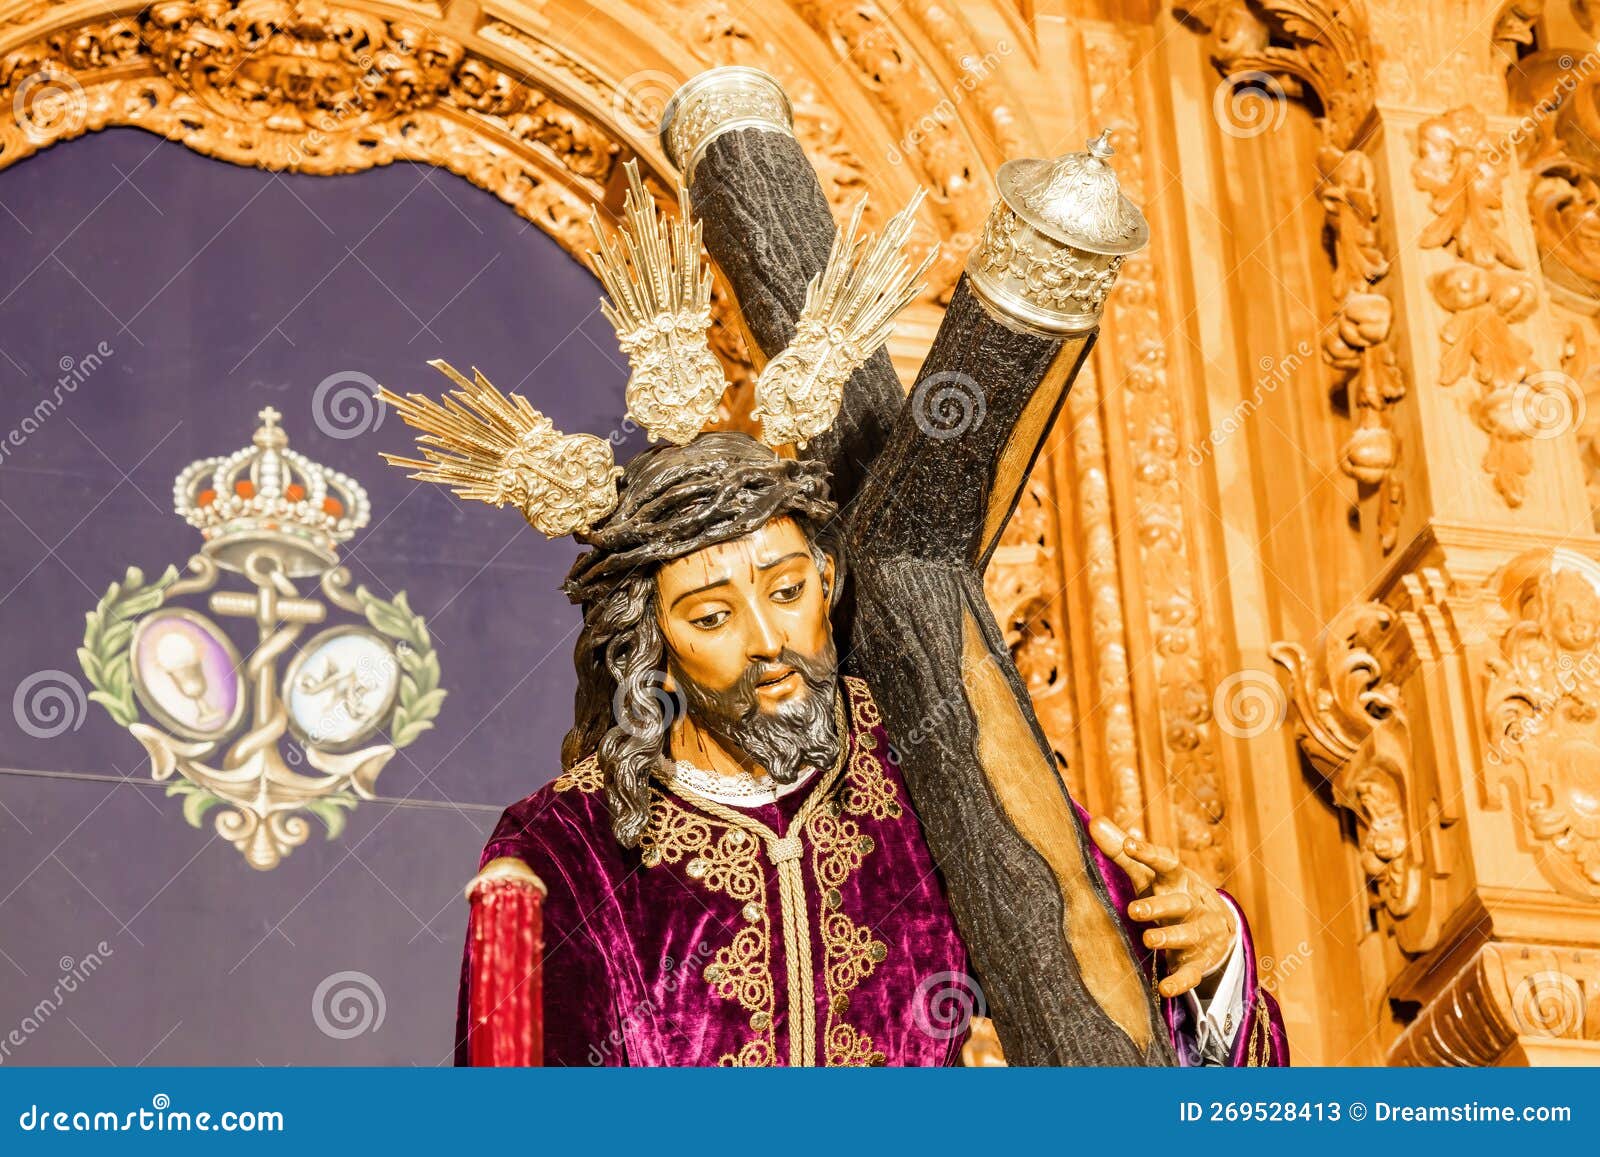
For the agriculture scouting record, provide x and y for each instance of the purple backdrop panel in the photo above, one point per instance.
(154, 302)
(219, 290)
(132, 938)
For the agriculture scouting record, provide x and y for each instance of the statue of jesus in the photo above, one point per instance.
(765, 848)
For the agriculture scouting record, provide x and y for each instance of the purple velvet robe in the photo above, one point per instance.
(672, 953)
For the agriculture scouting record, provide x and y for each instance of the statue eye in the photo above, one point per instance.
(788, 594)
(711, 621)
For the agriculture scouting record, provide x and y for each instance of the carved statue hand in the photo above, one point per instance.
(1193, 924)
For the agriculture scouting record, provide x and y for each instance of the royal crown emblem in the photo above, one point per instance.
(268, 489)
(228, 731)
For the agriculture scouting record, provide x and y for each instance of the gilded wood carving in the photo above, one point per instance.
(1352, 726)
(1184, 653)
(1505, 997)
(1316, 48)
(1541, 710)
(1485, 291)
(1357, 343)
(1323, 52)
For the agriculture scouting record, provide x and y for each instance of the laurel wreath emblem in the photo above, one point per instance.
(108, 640)
(106, 659)
(420, 696)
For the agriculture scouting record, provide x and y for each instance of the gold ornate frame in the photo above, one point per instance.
(1110, 580)
(1405, 579)
(541, 105)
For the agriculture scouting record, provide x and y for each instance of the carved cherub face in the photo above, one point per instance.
(1574, 611)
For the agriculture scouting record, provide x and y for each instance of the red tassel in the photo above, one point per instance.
(506, 1000)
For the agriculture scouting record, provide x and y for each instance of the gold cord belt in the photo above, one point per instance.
(785, 854)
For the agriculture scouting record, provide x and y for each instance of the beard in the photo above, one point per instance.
(800, 733)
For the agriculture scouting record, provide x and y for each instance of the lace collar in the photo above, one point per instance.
(744, 790)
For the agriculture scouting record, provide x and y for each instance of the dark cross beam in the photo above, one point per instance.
(926, 495)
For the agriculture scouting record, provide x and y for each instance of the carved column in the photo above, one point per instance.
(1453, 708)
(1552, 89)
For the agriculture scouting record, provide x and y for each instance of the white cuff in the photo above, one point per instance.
(1224, 1013)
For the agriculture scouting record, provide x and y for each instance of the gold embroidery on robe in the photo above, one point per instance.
(725, 860)
(853, 955)
(739, 972)
(757, 1054)
(1258, 1052)
(850, 952)
(871, 793)
(847, 1046)
(584, 776)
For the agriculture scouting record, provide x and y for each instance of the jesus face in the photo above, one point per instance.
(750, 646)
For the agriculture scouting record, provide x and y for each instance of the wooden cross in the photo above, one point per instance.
(924, 508)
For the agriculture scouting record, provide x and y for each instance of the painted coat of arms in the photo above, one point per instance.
(216, 723)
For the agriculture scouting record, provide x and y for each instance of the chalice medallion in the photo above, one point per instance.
(232, 732)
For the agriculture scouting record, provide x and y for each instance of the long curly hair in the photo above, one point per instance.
(672, 502)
